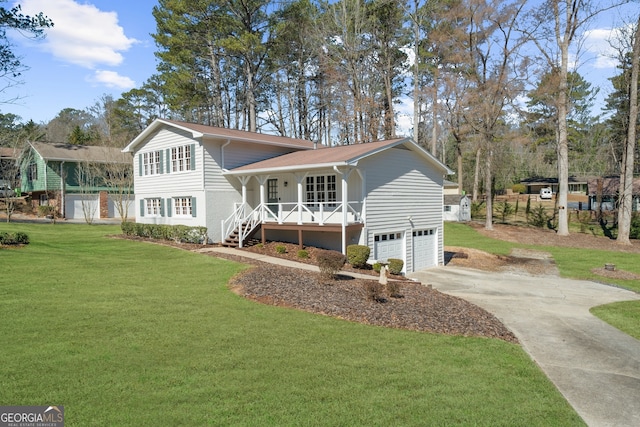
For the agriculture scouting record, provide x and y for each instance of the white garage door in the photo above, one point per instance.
(424, 249)
(76, 206)
(388, 246)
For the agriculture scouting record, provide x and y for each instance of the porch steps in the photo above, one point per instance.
(233, 240)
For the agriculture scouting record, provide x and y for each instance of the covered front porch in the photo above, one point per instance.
(322, 200)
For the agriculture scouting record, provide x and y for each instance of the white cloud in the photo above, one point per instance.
(112, 79)
(82, 34)
(598, 43)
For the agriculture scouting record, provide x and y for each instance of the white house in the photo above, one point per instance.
(387, 194)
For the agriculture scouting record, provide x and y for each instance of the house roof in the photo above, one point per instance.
(9, 153)
(79, 153)
(537, 180)
(453, 199)
(344, 155)
(610, 186)
(202, 131)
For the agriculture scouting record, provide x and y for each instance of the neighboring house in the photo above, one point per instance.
(457, 207)
(451, 188)
(80, 180)
(577, 185)
(386, 195)
(606, 190)
(8, 161)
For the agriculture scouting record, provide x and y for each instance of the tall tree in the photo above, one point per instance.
(555, 27)
(11, 66)
(491, 48)
(626, 176)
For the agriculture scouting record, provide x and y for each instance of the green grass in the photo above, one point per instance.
(623, 315)
(127, 333)
(573, 263)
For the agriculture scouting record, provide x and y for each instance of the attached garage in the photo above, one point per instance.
(388, 245)
(425, 249)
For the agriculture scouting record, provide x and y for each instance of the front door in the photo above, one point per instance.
(272, 195)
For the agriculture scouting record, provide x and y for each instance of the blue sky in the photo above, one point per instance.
(96, 47)
(102, 47)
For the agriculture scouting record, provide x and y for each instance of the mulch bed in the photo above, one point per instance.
(420, 308)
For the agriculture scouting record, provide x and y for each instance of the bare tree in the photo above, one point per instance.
(626, 176)
(86, 176)
(555, 27)
(495, 80)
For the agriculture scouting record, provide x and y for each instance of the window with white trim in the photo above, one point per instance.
(321, 189)
(182, 206)
(181, 158)
(151, 163)
(153, 207)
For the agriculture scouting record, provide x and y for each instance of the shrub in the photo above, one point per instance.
(281, 249)
(476, 208)
(330, 262)
(303, 254)
(393, 288)
(504, 209)
(374, 291)
(11, 239)
(634, 232)
(538, 216)
(518, 188)
(357, 255)
(376, 267)
(176, 233)
(21, 238)
(395, 266)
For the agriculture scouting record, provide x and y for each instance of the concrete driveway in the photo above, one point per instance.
(595, 366)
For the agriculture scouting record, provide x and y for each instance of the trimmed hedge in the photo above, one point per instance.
(176, 233)
(330, 262)
(395, 266)
(17, 238)
(357, 255)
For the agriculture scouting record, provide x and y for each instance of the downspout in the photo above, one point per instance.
(62, 190)
(222, 165)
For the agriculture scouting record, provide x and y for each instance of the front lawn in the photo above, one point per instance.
(126, 333)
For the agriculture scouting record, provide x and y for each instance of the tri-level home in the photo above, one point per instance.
(387, 195)
(82, 181)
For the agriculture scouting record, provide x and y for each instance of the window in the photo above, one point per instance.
(447, 208)
(151, 163)
(181, 158)
(32, 172)
(153, 207)
(182, 206)
(321, 189)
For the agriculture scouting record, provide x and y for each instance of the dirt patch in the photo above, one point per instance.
(546, 237)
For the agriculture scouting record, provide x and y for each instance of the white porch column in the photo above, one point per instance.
(262, 179)
(345, 209)
(300, 177)
(244, 180)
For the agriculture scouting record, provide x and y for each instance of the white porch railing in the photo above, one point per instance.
(312, 213)
(245, 220)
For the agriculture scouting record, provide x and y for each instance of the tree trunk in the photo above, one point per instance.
(460, 170)
(563, 145)
(626, 178)
(476, 176)
(488, 224)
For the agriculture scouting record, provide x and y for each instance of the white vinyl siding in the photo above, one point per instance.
(403, 192)
(169, 183)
